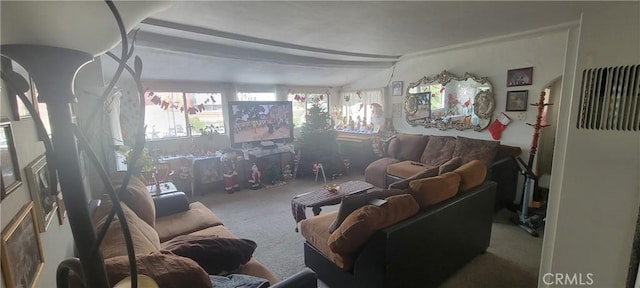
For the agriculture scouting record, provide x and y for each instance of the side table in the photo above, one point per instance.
(166, 187)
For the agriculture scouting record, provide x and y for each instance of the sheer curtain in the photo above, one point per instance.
(356, 107)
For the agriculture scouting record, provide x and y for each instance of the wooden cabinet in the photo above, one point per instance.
(357, 148)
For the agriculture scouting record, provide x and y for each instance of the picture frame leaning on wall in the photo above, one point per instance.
(45, 202)
(22, 255)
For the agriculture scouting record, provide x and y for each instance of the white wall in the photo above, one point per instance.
(56, 241)
(545, 52)
(595, 184)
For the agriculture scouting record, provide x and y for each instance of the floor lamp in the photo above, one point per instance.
(54, 70)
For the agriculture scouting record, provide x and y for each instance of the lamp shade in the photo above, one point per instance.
(86, 26)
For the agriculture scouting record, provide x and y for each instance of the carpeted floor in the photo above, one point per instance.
(264, 215)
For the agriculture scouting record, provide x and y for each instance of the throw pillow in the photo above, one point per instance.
(472, 174)
(430, 191)
(476, 149)
(353, 202)
(438, 150)
(215, 255)
(362, 223)
(450, 165)
(166, 269)
(411, 146)
(404, 184)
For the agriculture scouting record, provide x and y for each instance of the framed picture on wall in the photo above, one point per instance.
(396, 88)
(517, 100)
(45, 201)
(22, 256)
(520, 77)
(11, 178)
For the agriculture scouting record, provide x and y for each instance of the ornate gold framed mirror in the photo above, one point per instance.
(446, 101)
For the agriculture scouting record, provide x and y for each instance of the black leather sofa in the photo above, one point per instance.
(421, 251)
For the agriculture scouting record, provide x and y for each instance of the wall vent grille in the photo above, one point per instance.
(610, 99)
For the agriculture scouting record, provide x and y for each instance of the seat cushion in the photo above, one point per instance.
(406, 169)
(356, 230)
(316, 231)
(404, 184)
(472, 174)
(430, 191)
(475, 149)
(411, 146)
(144, 237)
(167, 270)
(197, 217)
(352, 202)
(438, 150)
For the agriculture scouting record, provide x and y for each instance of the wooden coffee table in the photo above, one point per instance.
(321, 197)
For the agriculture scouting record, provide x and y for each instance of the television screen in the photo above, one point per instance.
(257, 121)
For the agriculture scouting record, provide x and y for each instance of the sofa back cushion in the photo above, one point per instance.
(472, 174)
(404, 183)
(136, 196)
(411, 146)
(352, 202)
(358, 227)
(145, 238)
(438, 151)
(475, 149)
(450, 165)
(430, 191)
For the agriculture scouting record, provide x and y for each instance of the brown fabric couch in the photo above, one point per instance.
(406, 155)
(154, 221)
(415, 242)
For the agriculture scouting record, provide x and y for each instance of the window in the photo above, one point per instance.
(357, 111)
(207, 113)
(166, 114)
(256, 96)
(300, 106)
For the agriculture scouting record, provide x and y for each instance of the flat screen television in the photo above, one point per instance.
(254, 122)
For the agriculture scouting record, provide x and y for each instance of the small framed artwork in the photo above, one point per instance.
(45, 202)
(396, 88)
(11, 179)
(517, 100)
(520, 77)
(22, 256)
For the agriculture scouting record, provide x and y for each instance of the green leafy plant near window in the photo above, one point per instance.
(317, 143)
(144, 163)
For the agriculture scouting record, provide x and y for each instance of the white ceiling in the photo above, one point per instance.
(313, 43)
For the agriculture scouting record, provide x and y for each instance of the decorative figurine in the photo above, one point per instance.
(230, 174)
(286, 173)
(255, 176)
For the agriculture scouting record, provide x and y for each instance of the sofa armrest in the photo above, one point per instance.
(385, 146)
(170, 203)
(432, 245)
(505, 172)
(303, 279)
